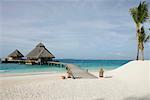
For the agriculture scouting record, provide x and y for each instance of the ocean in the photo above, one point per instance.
(92, 65)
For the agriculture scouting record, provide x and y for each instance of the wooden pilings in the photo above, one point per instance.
(57, 64)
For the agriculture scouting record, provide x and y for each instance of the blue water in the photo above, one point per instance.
(97, 64)
(22, 68)
(84, 64)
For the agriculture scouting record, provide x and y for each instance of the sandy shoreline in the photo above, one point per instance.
(129, 82)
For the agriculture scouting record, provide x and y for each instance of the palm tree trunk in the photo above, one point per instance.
(137, 35)
(137, 56)
(142, 51)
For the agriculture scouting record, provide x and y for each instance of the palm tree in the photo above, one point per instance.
(143, 38)
(139, 15)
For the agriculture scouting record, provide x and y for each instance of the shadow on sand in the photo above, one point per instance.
(108, 77)
(146, 97)
(100, 99)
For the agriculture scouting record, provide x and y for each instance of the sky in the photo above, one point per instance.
(70, 29)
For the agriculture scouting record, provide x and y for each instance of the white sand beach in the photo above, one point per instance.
(129, 82)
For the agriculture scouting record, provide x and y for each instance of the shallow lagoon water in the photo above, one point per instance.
(97, 64)
(92, 65)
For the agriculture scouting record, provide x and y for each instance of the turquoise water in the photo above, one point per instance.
(22, 68)
(97, 64)
(84, 64)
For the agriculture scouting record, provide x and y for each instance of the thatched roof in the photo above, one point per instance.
(16, 53)
(40, 52)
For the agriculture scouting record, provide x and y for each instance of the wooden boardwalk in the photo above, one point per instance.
(76, 72)
(79, 73)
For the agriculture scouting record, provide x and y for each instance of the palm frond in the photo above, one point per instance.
(143, 38)
(143, 13)
(147, 39)
(134, 13)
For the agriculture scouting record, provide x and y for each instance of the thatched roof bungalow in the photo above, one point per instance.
(15, 55)
(40, 54)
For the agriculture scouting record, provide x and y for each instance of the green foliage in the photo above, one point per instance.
(140, 14)
(147, 39)
(134, 13)
(143, 38)
(143, 12)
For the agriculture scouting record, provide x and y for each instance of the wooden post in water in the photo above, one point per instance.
(87, 70)
(101, 72)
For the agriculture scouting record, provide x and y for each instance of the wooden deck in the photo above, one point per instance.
(79, 73)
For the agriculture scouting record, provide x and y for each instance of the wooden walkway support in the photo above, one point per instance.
(79, 73)
(58, 64)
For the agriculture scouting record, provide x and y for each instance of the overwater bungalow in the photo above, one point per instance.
(39, 55)
(15, 55)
